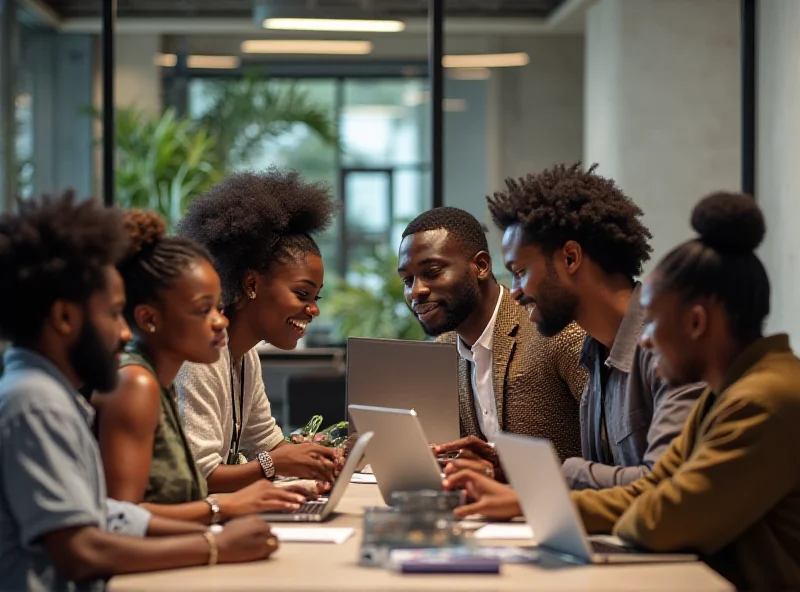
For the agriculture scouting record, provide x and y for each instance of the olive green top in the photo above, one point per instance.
(174, 477)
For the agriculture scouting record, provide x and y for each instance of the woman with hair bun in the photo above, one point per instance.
(728, 487)
(258, 228)
(173, 309)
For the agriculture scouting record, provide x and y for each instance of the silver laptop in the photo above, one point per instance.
(534, 471)
(420, 375)
(321, 510)
(399, 454)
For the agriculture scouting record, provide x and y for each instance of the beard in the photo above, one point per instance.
(557, 306)
(93, 361)
(457, 310)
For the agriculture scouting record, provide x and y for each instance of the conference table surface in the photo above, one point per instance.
(325, 566)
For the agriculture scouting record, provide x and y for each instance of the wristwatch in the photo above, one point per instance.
(216, 516)
(265, 460)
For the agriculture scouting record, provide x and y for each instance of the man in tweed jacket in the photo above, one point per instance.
(511, 378)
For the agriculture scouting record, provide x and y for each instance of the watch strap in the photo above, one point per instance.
(267, 465)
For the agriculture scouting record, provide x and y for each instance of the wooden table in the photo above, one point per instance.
(302, 566)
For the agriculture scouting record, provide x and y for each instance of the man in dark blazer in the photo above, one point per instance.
(511, 378)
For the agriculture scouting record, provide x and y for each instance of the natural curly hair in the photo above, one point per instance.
(461, 226)
(250, 221)
(153, 261)
(565, 203)
(54, 248)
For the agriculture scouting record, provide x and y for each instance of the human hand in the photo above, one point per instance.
(308, 461)
(483, 467)
(261, 496)
(488, 497)
(245, 539)
(469, 446)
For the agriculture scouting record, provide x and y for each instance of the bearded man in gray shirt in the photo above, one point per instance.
(574, 243)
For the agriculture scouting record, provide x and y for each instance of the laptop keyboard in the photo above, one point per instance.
(310, 508)
(610, 549)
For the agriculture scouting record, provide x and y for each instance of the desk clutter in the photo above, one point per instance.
(417, 533)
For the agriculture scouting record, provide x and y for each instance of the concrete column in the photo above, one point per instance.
(662, 105)
(778, 143)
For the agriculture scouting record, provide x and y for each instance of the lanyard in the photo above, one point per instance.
(236, 435)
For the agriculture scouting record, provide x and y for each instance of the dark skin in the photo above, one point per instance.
(434, 269)
(543, 283)
(692, 340)
(89, 552)
(602, 298)
(186, 324)
(284, 297)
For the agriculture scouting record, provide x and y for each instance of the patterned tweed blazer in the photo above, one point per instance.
(538, 381)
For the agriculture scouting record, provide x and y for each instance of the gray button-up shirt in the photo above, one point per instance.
(628, 414)
(51, 474)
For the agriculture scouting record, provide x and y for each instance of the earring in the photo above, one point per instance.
(252, 295)
(151, 327)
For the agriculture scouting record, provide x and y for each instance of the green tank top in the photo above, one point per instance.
(174, 476)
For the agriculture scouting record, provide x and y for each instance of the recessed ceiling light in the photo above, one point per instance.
(307, 46)
(486, 60)
(349, 25)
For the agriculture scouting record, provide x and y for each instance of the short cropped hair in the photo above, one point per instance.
(461, 226)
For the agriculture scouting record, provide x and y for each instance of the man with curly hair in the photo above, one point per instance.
(511, 378)
(258, 228)
(574, 244)
(61, 308)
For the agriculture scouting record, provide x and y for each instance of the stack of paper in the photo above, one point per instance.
(304, 534)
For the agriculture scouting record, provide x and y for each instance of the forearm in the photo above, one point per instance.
(230, 478)
(161, 525)
(196, 512)
(584, 474)
(92, 554)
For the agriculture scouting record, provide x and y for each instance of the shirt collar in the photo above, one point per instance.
(753, 354)
(624, 349)
(487, 337)
(18, 359)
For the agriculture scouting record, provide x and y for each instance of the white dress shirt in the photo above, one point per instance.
(480, 359)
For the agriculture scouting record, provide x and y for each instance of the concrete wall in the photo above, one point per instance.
(662, 104)
(778, 144)
(138, 80)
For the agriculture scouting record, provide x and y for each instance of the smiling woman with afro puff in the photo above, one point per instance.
(258, 228)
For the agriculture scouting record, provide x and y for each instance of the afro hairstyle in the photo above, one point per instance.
(252, 220)
(565, 203)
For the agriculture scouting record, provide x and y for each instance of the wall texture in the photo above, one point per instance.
(662, 104)
(778, 144)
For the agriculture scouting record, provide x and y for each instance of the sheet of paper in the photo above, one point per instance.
(367, 469)
(363, 478)
(504, 531)
(289, 534)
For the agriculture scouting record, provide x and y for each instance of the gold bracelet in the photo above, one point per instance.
(212, 545)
